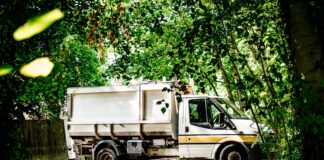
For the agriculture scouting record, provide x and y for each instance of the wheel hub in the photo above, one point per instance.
(106, 156)
(234, 156)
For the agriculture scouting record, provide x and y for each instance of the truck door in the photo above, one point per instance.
(203, 131)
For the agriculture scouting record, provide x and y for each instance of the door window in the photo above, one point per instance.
(204, 113)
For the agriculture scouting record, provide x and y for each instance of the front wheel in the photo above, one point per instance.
(233, 152)
(106, 154)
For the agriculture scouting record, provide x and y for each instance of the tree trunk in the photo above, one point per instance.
(226, 81)
(304, 39)
(237, 81)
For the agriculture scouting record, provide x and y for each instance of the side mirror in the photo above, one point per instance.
(221, 118)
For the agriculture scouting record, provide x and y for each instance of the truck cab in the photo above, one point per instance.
(213, 128)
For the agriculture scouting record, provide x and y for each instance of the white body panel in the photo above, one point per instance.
(244, 126)
(103, 107)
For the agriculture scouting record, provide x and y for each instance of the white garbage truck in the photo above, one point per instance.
(147, 121)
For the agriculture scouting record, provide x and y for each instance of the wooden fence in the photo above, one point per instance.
(46, 140)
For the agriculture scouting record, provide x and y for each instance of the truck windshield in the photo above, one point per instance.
(230, 108)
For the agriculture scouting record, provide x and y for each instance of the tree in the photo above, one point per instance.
(64, 43)
(236, 45)
(305, 30)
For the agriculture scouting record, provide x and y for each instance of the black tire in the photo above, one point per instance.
(233, 152)
(106, 154)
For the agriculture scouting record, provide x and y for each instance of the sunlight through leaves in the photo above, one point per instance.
(5, 69)
(40, 67)
(37, 24)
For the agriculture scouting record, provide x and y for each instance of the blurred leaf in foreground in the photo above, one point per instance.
(5, 69)
(37, 24)
(38, 67)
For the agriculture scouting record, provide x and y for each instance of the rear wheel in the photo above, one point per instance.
(106, 154)
(233, 152)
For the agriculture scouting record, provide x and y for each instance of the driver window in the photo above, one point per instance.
(203, 113)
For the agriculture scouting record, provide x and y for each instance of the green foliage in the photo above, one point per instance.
(64, 44)
(233, 48)
(237, 49)
(311, 121)
(76, 65)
